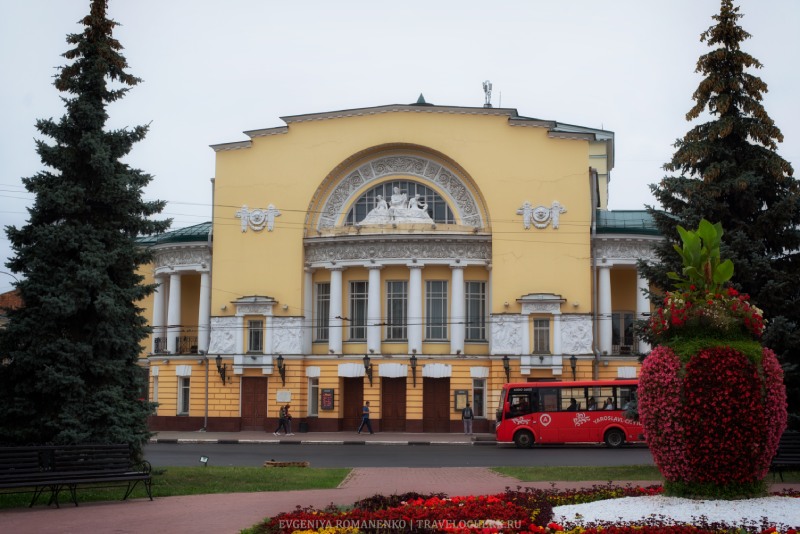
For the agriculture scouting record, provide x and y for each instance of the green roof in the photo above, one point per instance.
(198, 232)
(637, 222)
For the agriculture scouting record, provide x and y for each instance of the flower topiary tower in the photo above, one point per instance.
(711, 399)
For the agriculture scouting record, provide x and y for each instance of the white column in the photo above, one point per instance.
(174, 313)
(458, 305)
(604, 305)
(415, 308)
(204, 315)
(158, 315)
(374, 309)
(308, 310)
(642, 306)
(335, 317)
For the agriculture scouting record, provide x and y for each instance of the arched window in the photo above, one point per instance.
(437, 208)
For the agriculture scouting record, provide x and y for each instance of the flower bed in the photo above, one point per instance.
(522, 511)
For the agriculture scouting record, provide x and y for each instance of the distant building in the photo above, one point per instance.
(9, 300)
(415, 256)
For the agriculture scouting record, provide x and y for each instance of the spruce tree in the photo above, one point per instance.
(69, 372)
(728, 170)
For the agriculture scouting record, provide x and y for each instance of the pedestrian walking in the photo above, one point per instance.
(467, 415)
(365, 419)
(284, 421)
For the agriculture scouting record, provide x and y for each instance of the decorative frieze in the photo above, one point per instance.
(626, 250)
(541, 303)
(191, 256)
(399, 248)
(223, 335)
(507, 334)
(255, 305)
(287, 335)
(446, 180)
(576, 334)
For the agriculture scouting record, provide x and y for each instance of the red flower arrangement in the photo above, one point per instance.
(527, 512)
(711, 422)
(711, 399)
(727, 311)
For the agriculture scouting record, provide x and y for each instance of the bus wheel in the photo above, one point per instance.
(523, 439)
(615, 438)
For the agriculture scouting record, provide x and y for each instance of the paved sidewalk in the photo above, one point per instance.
(331, 438)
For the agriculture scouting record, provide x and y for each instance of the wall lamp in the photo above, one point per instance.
(573, 363)
(507, 367)
(222, 369)
(368, 368)
(413, 363)
(281, 368)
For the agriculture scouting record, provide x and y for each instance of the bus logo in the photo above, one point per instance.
(545, 419)
(580, 419)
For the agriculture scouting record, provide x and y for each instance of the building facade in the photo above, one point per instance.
(414, 256)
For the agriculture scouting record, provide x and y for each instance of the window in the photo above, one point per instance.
(323, 311)
(358, 310)
(541, 336)
(436, 309)
(313, 396)
(183, 395)
(475, 293)
(479, 397)
(438, 209)
(397, 310)
(622, 331)
(255, 336)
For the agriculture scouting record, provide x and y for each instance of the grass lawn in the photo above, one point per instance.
(546, 474)
(172, 481)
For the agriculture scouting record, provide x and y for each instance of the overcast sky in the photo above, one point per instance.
(212, 70)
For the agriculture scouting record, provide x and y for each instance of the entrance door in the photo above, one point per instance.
(436, 405)
(352, 402)
(393, 404)
(254, 403)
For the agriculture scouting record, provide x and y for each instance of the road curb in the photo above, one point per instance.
(193, 441)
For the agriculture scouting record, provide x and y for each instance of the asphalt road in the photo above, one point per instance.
(165, 455)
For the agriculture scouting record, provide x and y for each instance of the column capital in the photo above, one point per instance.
(457, 266)
(334, 267)
(374, 266)
(415, 265)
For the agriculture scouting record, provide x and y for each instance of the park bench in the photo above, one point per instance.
(788, 456)
(54, 468)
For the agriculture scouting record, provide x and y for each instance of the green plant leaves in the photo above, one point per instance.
(700, 254)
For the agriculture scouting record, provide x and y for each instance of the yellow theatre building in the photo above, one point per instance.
(414, 256)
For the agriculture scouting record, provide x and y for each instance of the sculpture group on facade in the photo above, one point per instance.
(399, 209)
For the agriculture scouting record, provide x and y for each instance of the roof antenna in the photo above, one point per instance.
(487, 89)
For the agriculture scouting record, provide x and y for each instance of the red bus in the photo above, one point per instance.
(567, 412)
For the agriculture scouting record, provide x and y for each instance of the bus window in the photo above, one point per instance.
(572, 399)
(519, 403)
(549, 398)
